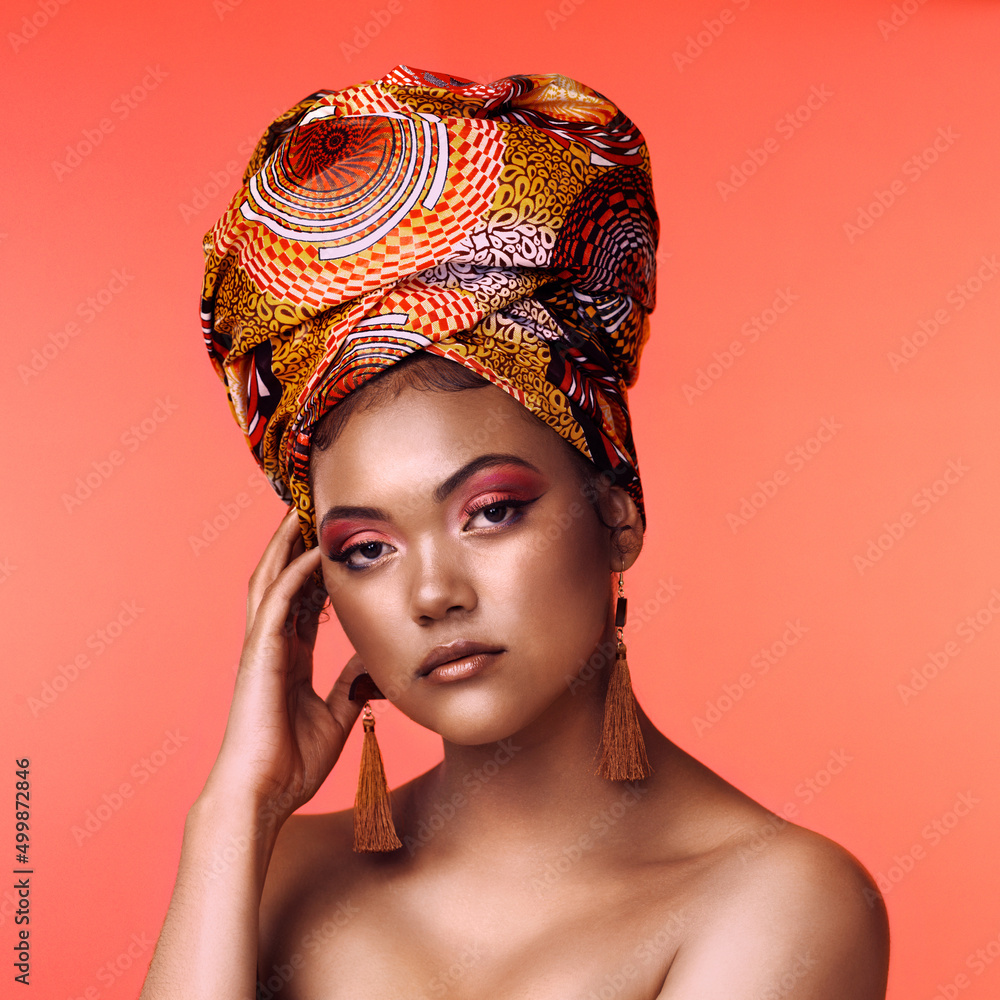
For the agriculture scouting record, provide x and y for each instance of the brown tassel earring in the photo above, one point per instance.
(623, 750)
(373, 827)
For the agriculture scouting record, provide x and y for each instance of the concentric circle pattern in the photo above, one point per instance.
(345, 182)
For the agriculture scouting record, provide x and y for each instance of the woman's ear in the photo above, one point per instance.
(619, 512)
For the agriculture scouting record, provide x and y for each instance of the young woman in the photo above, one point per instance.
(427, 303)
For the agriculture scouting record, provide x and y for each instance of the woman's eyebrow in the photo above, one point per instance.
(471, 468)
(441, 492)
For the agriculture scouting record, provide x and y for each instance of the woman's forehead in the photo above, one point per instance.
(424, 434)
(421, 419)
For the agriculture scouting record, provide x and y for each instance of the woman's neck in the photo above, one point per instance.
(539, 784)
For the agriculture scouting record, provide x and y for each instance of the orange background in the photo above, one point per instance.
(110, 239)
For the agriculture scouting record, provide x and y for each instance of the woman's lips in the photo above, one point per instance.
(458, 649)
(461, 668)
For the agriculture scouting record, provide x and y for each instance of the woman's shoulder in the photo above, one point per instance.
(793, 911)
(777, 907)
(314, 858)
(306, 896)
(308, 845)
(789, 873)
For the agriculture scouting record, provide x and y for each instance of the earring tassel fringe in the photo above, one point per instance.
(623, 750)
(373, 826)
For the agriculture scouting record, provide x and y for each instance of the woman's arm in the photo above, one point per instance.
(208, 945)
(281, 741)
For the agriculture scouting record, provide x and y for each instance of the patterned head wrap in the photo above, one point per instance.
(507, 226)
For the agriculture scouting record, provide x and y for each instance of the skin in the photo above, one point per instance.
(523, 873)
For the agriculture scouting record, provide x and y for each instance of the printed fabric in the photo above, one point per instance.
(508, 226)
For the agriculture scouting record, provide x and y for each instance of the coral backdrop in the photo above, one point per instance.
(815, 614)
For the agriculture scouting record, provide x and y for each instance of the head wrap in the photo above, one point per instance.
(507, 226)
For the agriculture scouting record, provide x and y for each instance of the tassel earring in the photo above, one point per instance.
(373, 826)
(622, 750)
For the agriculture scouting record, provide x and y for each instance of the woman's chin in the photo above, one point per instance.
(481, 733)
(478, 714)
(479, 726)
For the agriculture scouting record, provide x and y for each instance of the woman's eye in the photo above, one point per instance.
(368, 552)
(498, 512)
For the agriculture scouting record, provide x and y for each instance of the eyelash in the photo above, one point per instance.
(509, 503)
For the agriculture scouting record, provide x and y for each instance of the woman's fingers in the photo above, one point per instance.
(282, 601)
(307, 608)
(302, 627)
(279, 552)
(344, 711)
(281, 734)
(272, 652)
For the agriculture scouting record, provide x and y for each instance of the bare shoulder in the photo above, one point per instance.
(312, 855)
(306, 847)
(789, 914)
(798, 876)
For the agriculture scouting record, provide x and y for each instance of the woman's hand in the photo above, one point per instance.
(282, 738)
(281, 741)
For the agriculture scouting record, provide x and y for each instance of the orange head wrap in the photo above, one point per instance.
(507, 226)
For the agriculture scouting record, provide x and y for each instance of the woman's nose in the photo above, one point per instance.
(441, 584)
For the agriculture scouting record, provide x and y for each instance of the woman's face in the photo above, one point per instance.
(446, 516)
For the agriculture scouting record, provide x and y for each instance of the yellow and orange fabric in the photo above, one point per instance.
(508, 226)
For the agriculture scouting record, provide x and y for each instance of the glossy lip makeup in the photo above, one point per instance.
(461, 669)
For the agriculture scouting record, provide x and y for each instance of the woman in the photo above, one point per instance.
(427, 303)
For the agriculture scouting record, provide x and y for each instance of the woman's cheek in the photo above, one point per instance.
(582, 584)
(557, 602)
(567, 560)
(365, 620)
